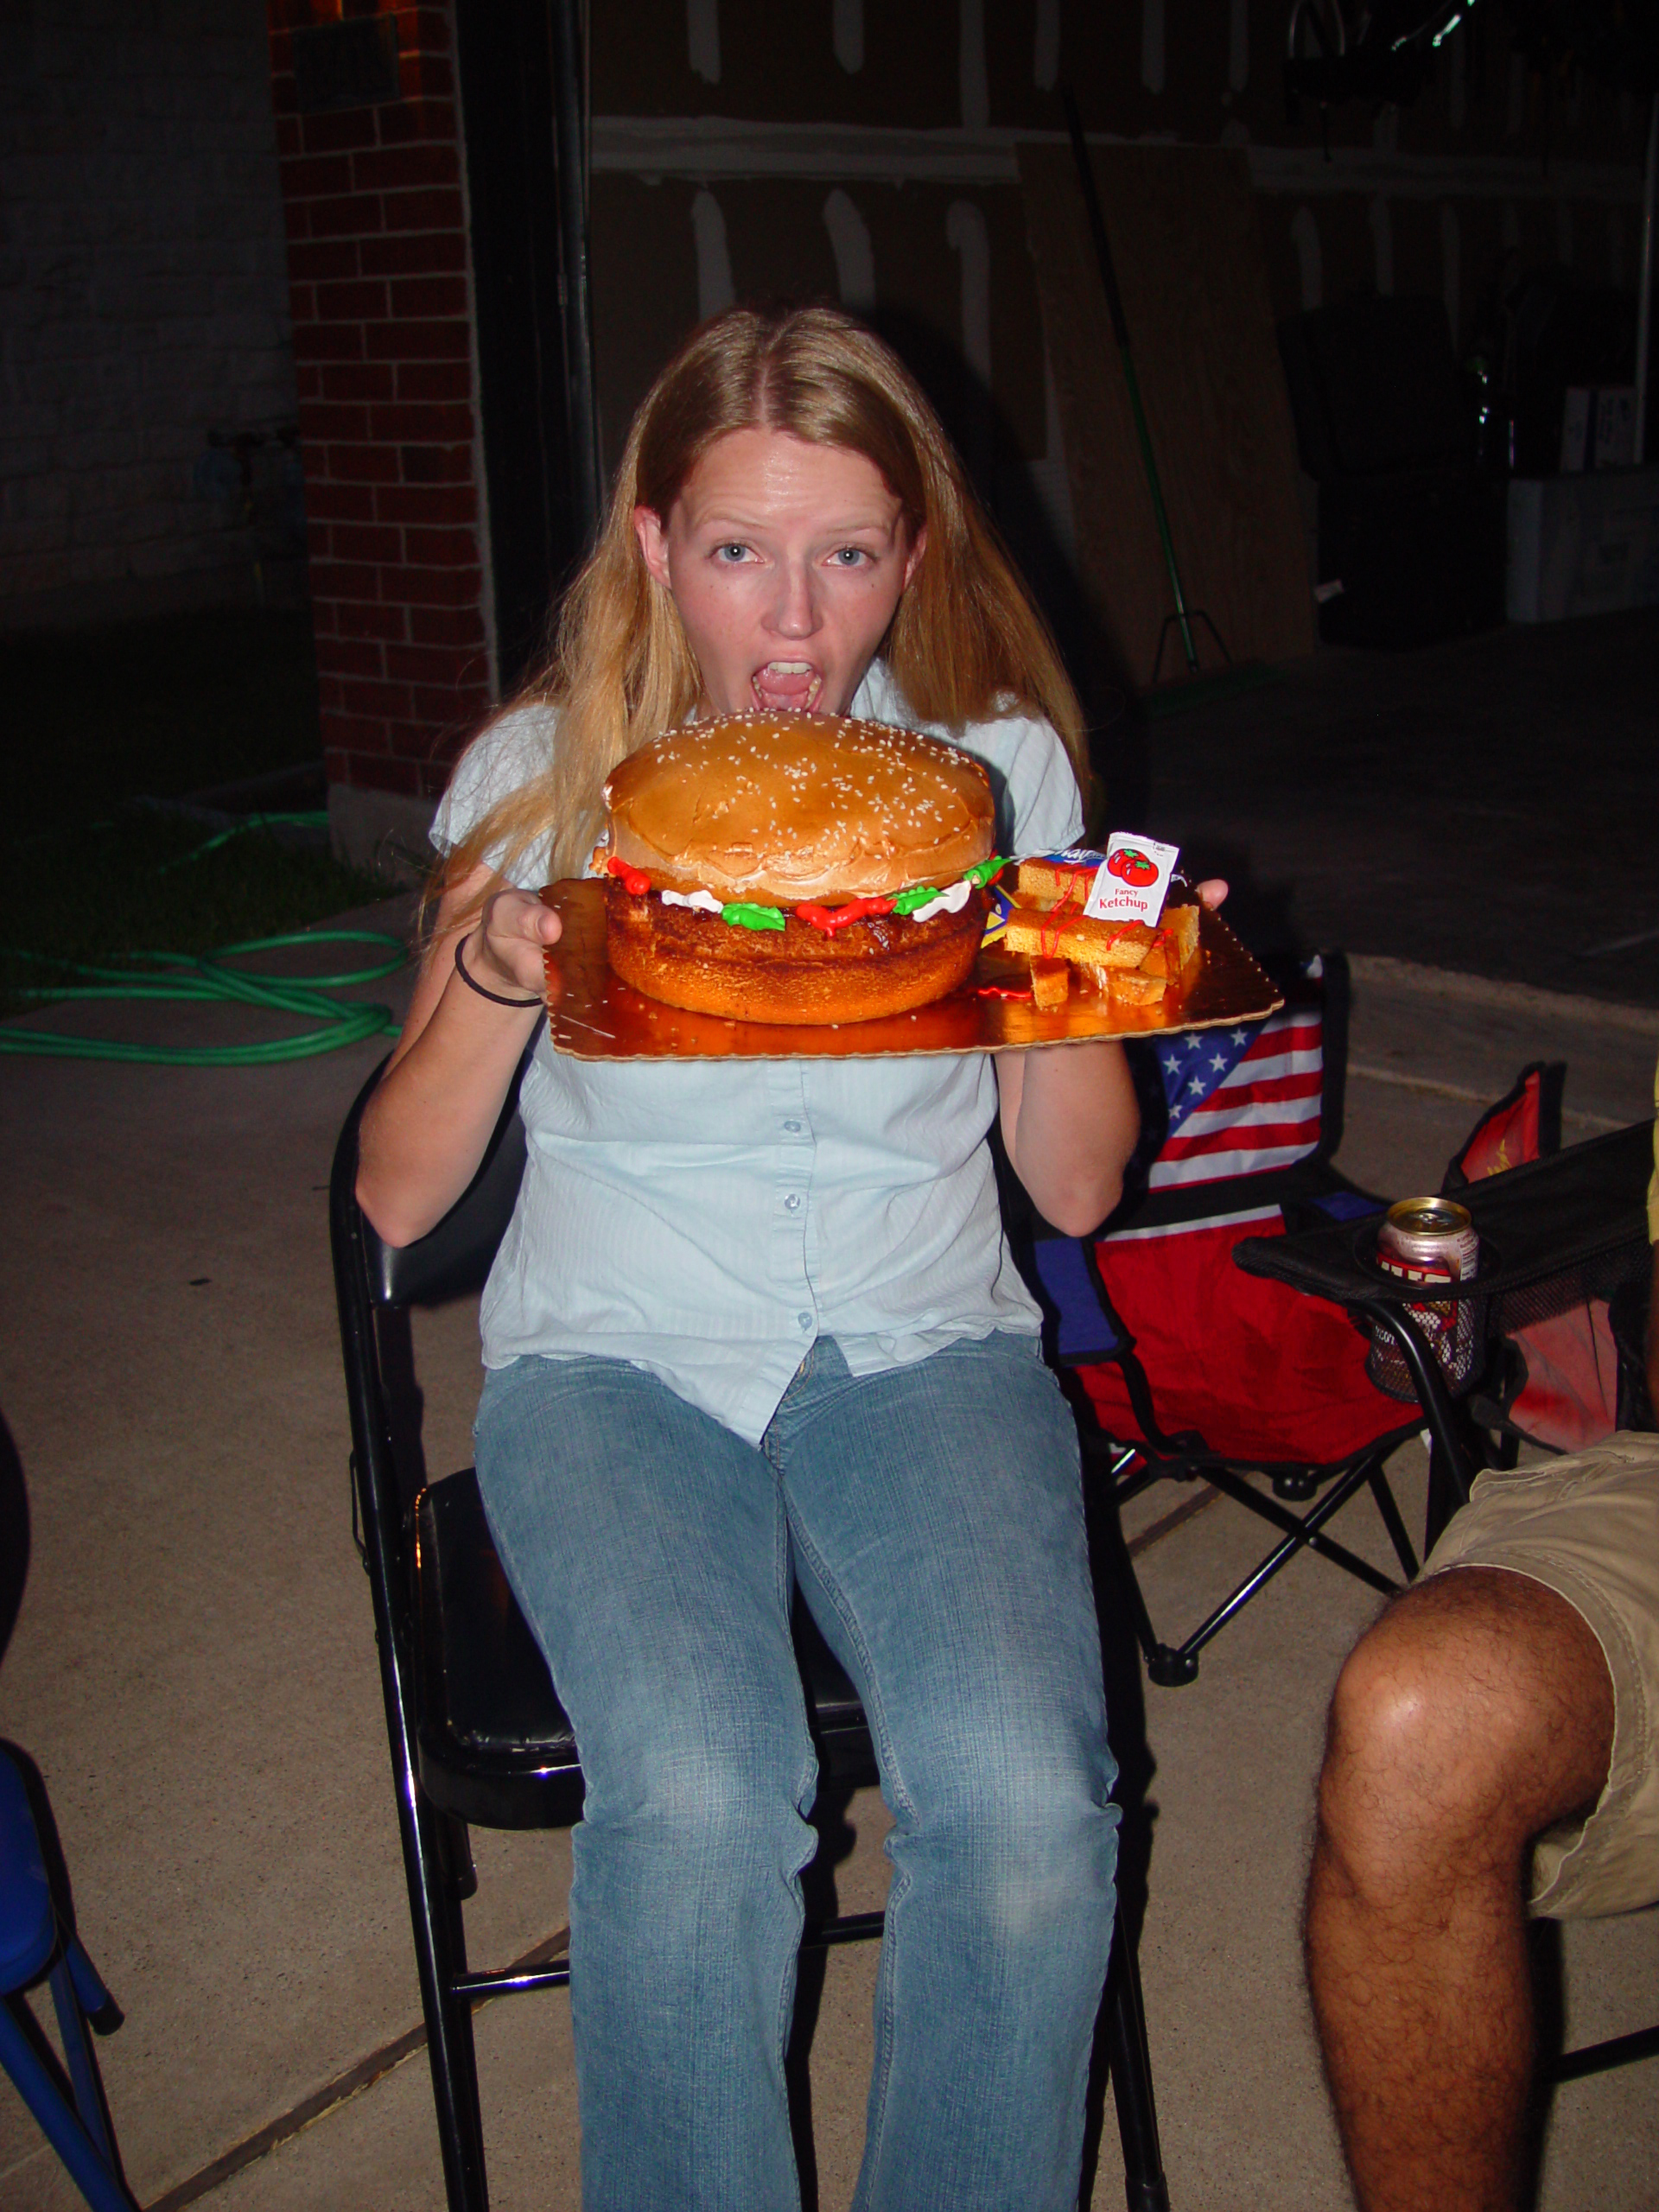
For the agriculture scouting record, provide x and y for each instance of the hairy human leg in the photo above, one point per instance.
(1477, 1712)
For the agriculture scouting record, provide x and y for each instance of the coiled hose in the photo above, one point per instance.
(181, 976)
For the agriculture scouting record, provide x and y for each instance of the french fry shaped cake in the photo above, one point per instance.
(1136, 965)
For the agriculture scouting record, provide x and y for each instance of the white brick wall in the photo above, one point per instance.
(143, 303)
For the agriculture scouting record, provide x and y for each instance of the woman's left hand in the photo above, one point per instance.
(1070, 1119)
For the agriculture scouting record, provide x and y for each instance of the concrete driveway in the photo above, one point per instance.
(193, 1669)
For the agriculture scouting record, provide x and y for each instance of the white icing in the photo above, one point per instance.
(950, 901)
(704, 901)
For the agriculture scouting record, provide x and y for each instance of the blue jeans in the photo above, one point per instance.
(933, 1518)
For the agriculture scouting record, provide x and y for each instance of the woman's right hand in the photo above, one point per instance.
(504, 951)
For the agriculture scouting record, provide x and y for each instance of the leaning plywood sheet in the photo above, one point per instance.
(1183, 232)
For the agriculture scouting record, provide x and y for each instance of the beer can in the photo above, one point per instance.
(1428, 1241)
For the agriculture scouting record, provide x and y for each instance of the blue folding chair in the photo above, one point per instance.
(37, 1943)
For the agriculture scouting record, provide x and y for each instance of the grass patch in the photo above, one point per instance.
(155, 709)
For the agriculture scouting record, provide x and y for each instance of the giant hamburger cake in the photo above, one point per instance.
(790, 868)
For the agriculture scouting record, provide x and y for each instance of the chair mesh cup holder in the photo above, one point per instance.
(1388, 1366)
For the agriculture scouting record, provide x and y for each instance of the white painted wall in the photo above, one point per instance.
(970, 66)
(847, 34)
(849, 241)
(716, 290)
(702, 38)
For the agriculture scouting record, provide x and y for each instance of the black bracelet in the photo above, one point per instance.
(494, 997)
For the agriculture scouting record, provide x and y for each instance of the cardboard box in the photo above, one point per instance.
(1578, 414)
(1585, 544)
(1598, 428)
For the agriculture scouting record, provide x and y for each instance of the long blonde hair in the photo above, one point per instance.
(967, 643)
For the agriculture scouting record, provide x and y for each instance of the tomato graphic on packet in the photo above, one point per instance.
(1132, 866)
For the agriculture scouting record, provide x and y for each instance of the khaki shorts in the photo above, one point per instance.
(1587, 1526)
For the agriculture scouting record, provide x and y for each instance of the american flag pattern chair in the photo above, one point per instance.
(1184, 1369)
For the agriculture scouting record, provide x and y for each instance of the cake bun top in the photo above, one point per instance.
(784, 808)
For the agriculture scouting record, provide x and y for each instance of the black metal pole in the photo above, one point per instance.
(569, 59)
(1120, 333)
(1145, 2187)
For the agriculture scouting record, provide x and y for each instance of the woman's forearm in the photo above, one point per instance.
(1069, 1121)
(1070, 1118)
(426, 1127)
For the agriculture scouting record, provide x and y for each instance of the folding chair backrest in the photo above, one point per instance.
(454, 1257)
(1524, 1125)
(1165, 1334)
(377, 1283)
(1251, 1114)
(1572, 1368)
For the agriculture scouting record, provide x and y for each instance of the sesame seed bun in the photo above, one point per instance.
(783, 808)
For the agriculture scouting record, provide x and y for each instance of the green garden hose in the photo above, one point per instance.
(184, 976)
(312, 818)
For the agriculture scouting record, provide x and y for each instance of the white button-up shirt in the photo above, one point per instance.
(706, 1220)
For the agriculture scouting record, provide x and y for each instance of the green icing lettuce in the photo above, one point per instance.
(980, 876)
(922, 895)
(741, 914)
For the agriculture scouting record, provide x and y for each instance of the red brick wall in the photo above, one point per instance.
(378, 279)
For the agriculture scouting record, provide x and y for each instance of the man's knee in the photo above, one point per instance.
(1475, 1712)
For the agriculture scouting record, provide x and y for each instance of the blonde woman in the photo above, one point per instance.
(757, 1324)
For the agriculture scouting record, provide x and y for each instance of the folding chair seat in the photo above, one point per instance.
(1183, 1370)
(477, 1733)
(38, 1942)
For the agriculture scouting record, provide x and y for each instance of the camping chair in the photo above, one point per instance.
(1182, 1369)
(477, 1733)
(1564, 1257)
(1560, 1300)
(38, 1942)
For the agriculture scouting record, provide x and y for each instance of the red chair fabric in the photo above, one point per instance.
(1260, 1371)
(1564, 1385)
(1233, 1376)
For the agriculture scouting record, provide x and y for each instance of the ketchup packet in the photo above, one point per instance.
(1130, 886)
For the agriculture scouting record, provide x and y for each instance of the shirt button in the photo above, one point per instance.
(793, 1127)
(805, 1320)
(792, 1203)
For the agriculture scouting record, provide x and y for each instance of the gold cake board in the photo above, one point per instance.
(594, 1015)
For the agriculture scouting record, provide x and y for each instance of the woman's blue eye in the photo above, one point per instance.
(733, 552)
(850, 556)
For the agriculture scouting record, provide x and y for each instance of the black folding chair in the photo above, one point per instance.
(477, 1733)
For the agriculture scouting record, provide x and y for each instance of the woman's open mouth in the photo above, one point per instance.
(792, 684)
